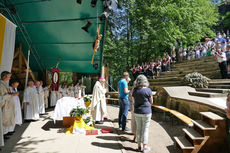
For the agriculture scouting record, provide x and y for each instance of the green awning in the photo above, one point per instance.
(54, 30)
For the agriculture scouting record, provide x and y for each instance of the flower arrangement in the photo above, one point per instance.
(87, 98)
(196, 80)
(78, 112)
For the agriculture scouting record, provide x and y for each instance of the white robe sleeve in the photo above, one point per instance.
(26, 96)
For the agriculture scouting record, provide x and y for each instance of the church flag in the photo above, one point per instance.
(55, 79)
(7, 43)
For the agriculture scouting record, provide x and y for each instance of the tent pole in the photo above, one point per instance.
(27, 70)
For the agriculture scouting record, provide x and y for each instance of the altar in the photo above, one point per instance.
(65, 105)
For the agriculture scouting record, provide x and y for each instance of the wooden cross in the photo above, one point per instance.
(97, 43)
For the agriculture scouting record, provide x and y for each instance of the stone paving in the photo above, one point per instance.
(44, 136)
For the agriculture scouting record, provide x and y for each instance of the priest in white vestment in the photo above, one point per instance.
(7, 114)
(65, 91)
(41, 97)
(53, 98)
(31, 102)
(46, 96)
(77, 90)
(18, 110)
(98, 105)
(59, 92)
(70, 92)
(8, 109)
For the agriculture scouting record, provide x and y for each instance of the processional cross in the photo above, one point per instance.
(97, 42)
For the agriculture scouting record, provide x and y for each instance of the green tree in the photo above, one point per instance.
(143, 29)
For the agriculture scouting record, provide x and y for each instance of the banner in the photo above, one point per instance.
(55, 79)
(7, 43)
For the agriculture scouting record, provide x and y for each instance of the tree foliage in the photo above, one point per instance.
(142, 29)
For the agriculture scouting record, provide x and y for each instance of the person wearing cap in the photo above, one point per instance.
(98, 104)
(123, 101)
(7, 111)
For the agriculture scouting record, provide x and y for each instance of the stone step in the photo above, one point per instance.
(195, 65)
(191, 64)
(219, 86)
(155, 88)
(212, 116)
(220, 81)
(201, 69)
(165, 79)
(193, 134)
(170, 73)
(166, 83)
(197, 61)
(213, 90)
(203, 125)
(184, 144)
(207, 94)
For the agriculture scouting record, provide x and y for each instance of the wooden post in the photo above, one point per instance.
(20, 58)
(28, 67)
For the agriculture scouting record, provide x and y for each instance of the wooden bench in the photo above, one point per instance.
(112, 99)
(180, 116)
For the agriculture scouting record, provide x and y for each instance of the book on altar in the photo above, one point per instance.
(107, 130)
(91, 132)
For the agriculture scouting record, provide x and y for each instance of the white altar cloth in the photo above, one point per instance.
(65, 105)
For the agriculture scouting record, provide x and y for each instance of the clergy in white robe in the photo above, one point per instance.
(59, 92)
(46, 96)
(18, 111)
(1, 127)
(41, 98)
(70, 92)
(77, 90)
(8, 109)
(98, 105)
(6, 100)
(31, 102)
(65, 91)
(53, 98)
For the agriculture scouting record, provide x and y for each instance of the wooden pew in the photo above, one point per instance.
(180, 116)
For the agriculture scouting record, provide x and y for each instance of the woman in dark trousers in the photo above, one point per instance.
(142, 96)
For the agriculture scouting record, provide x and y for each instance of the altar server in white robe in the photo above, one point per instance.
(98, 105)
(7, 114)
(59, 92)
(70, 92)
(65, 91)
(53, 98)
(8, 109)
(31, 102)
(77, 90)
(41, 97)
(46, 96)
(18, 111)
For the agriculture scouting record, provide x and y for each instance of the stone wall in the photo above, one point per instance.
(187, 107)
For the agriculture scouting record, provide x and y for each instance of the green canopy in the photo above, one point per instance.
(52, 29)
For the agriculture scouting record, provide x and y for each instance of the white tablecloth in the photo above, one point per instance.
(65, 105)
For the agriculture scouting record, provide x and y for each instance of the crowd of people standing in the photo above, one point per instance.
(36, 99)
(72, 90)
(211, 47)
